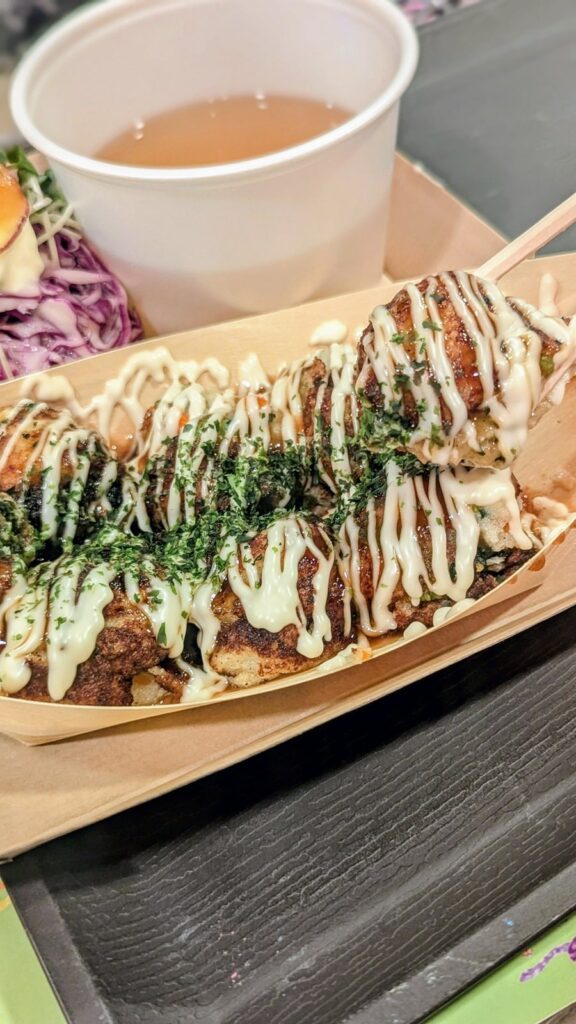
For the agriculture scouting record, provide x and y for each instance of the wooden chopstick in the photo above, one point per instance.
(542, 232)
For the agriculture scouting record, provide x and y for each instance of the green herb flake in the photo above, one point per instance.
(547, 365)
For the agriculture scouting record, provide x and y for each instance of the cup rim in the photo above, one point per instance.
(24, 75)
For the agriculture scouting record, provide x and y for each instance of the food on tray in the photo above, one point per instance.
(454, 371)
(291, 596)
(57, 299)
(281, 607)
(431, 541)
(19, 541)
(83, 626)
(256, 532)
(63, 475)
(299, 592)
(296, 434)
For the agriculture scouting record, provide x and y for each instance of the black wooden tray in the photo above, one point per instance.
(364, 872)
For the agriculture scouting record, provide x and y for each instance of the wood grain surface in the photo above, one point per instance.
(357, 873)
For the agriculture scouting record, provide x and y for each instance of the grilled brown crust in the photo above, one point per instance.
(317, 417)
(160, 474)
(12, 474)
(459, 349)
(506, 561)
(311, 380)
(248, 656)
(26, 483)
(5, 577)
(145, 429)
(125, 647)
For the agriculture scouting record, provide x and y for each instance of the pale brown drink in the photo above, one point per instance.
(222, 130)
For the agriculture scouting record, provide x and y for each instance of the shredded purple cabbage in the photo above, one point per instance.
(77, 309)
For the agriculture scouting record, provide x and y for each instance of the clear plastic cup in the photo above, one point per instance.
(197, 245)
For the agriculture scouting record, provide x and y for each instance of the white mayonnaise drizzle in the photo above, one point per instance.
(250, 417)
(266, 415)
(286, 400)
(65, 609)
(342, 370)
(177, 406)
(49, 387)
(269, 593)
(75, 620)
(125, 391)
(552, 517)
(60, 445)
(452, 611)
(166, 606)
(353, 654)
(329, 332)
(286, 405)
(268, 590)
(414, 630)
(201, 684)
(261, 406)
(251, 374)
(181, 453)
(62, 611)
(507, 350)
(451, 500)
(441, 615)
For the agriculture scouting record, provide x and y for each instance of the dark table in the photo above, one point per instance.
(371, 869)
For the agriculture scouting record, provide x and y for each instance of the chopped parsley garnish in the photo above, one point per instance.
(437, 435)
(547, 365)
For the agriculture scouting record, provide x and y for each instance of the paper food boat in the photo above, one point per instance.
(547, 467)
(50, 789)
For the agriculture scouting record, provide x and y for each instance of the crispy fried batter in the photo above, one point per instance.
(504, 560)
(175, 489)
(459, 349)
(125, 647)
(462, 352)
(248, 656)
(24, 448)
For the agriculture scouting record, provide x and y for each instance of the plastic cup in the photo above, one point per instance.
(198, 245)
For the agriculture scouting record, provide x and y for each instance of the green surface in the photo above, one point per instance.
(502, 998)
(25, 995)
